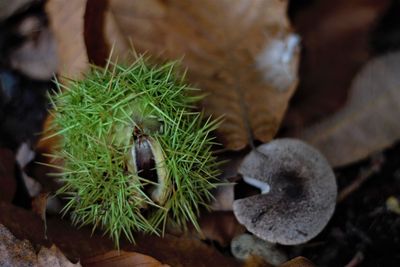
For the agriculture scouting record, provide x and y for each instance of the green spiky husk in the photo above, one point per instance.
(95, 117)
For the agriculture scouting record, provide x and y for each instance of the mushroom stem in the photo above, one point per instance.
(264, 187)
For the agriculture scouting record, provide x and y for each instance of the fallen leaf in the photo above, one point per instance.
(335, 43)
(83, 243)
(242, 54)
(53, 257)
(122, 259)
(256, 261)
(298, 262)
(66, 21)
(224, 196)
(39, 204)
(220, 226)
(14, 252)
(8, 184)
(47, 145)
(369, 121)
(36, 57)
(8, 8)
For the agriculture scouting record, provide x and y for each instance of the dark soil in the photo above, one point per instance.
(362, 228)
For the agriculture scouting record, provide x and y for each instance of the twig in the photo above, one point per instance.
(356, 260)
(376, 164)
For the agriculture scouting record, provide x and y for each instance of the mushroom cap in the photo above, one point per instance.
(302, 194)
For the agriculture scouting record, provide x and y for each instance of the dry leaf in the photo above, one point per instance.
(39, 204)
(82, 243)
(220, 226)
(53, 257)
(298, 262)
(36, 57)
(224, 196)
(242, 53)
(336, 43)
(9, 8)
(8, 183)
(256, 261)
(14, 252)
(122, 259)
(370, 120)
(66, 22)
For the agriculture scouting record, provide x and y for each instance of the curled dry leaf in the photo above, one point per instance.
(66, 22)
(122, 259)
(370, 120)
(241, 53)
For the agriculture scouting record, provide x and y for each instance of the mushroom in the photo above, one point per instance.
(298, 192)
(245, 245)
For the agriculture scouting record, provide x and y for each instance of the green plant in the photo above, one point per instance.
(135, 152)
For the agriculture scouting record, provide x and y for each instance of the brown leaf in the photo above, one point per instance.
(14, 252)
(47, 145)
(369, 121)
(298, 262)
(7, 8)
(241, 53)
(220, 226)
(53, 257)
(122, 259)
(256, 261)
(66, 21)
(8, 184)
(336, 43)
(39, 204)
(223, 198)
(36, 57)
(82, 243)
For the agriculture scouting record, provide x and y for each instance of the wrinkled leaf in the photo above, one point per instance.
(66, 21)
(241, 53)
(122, 259)
(370, 120)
